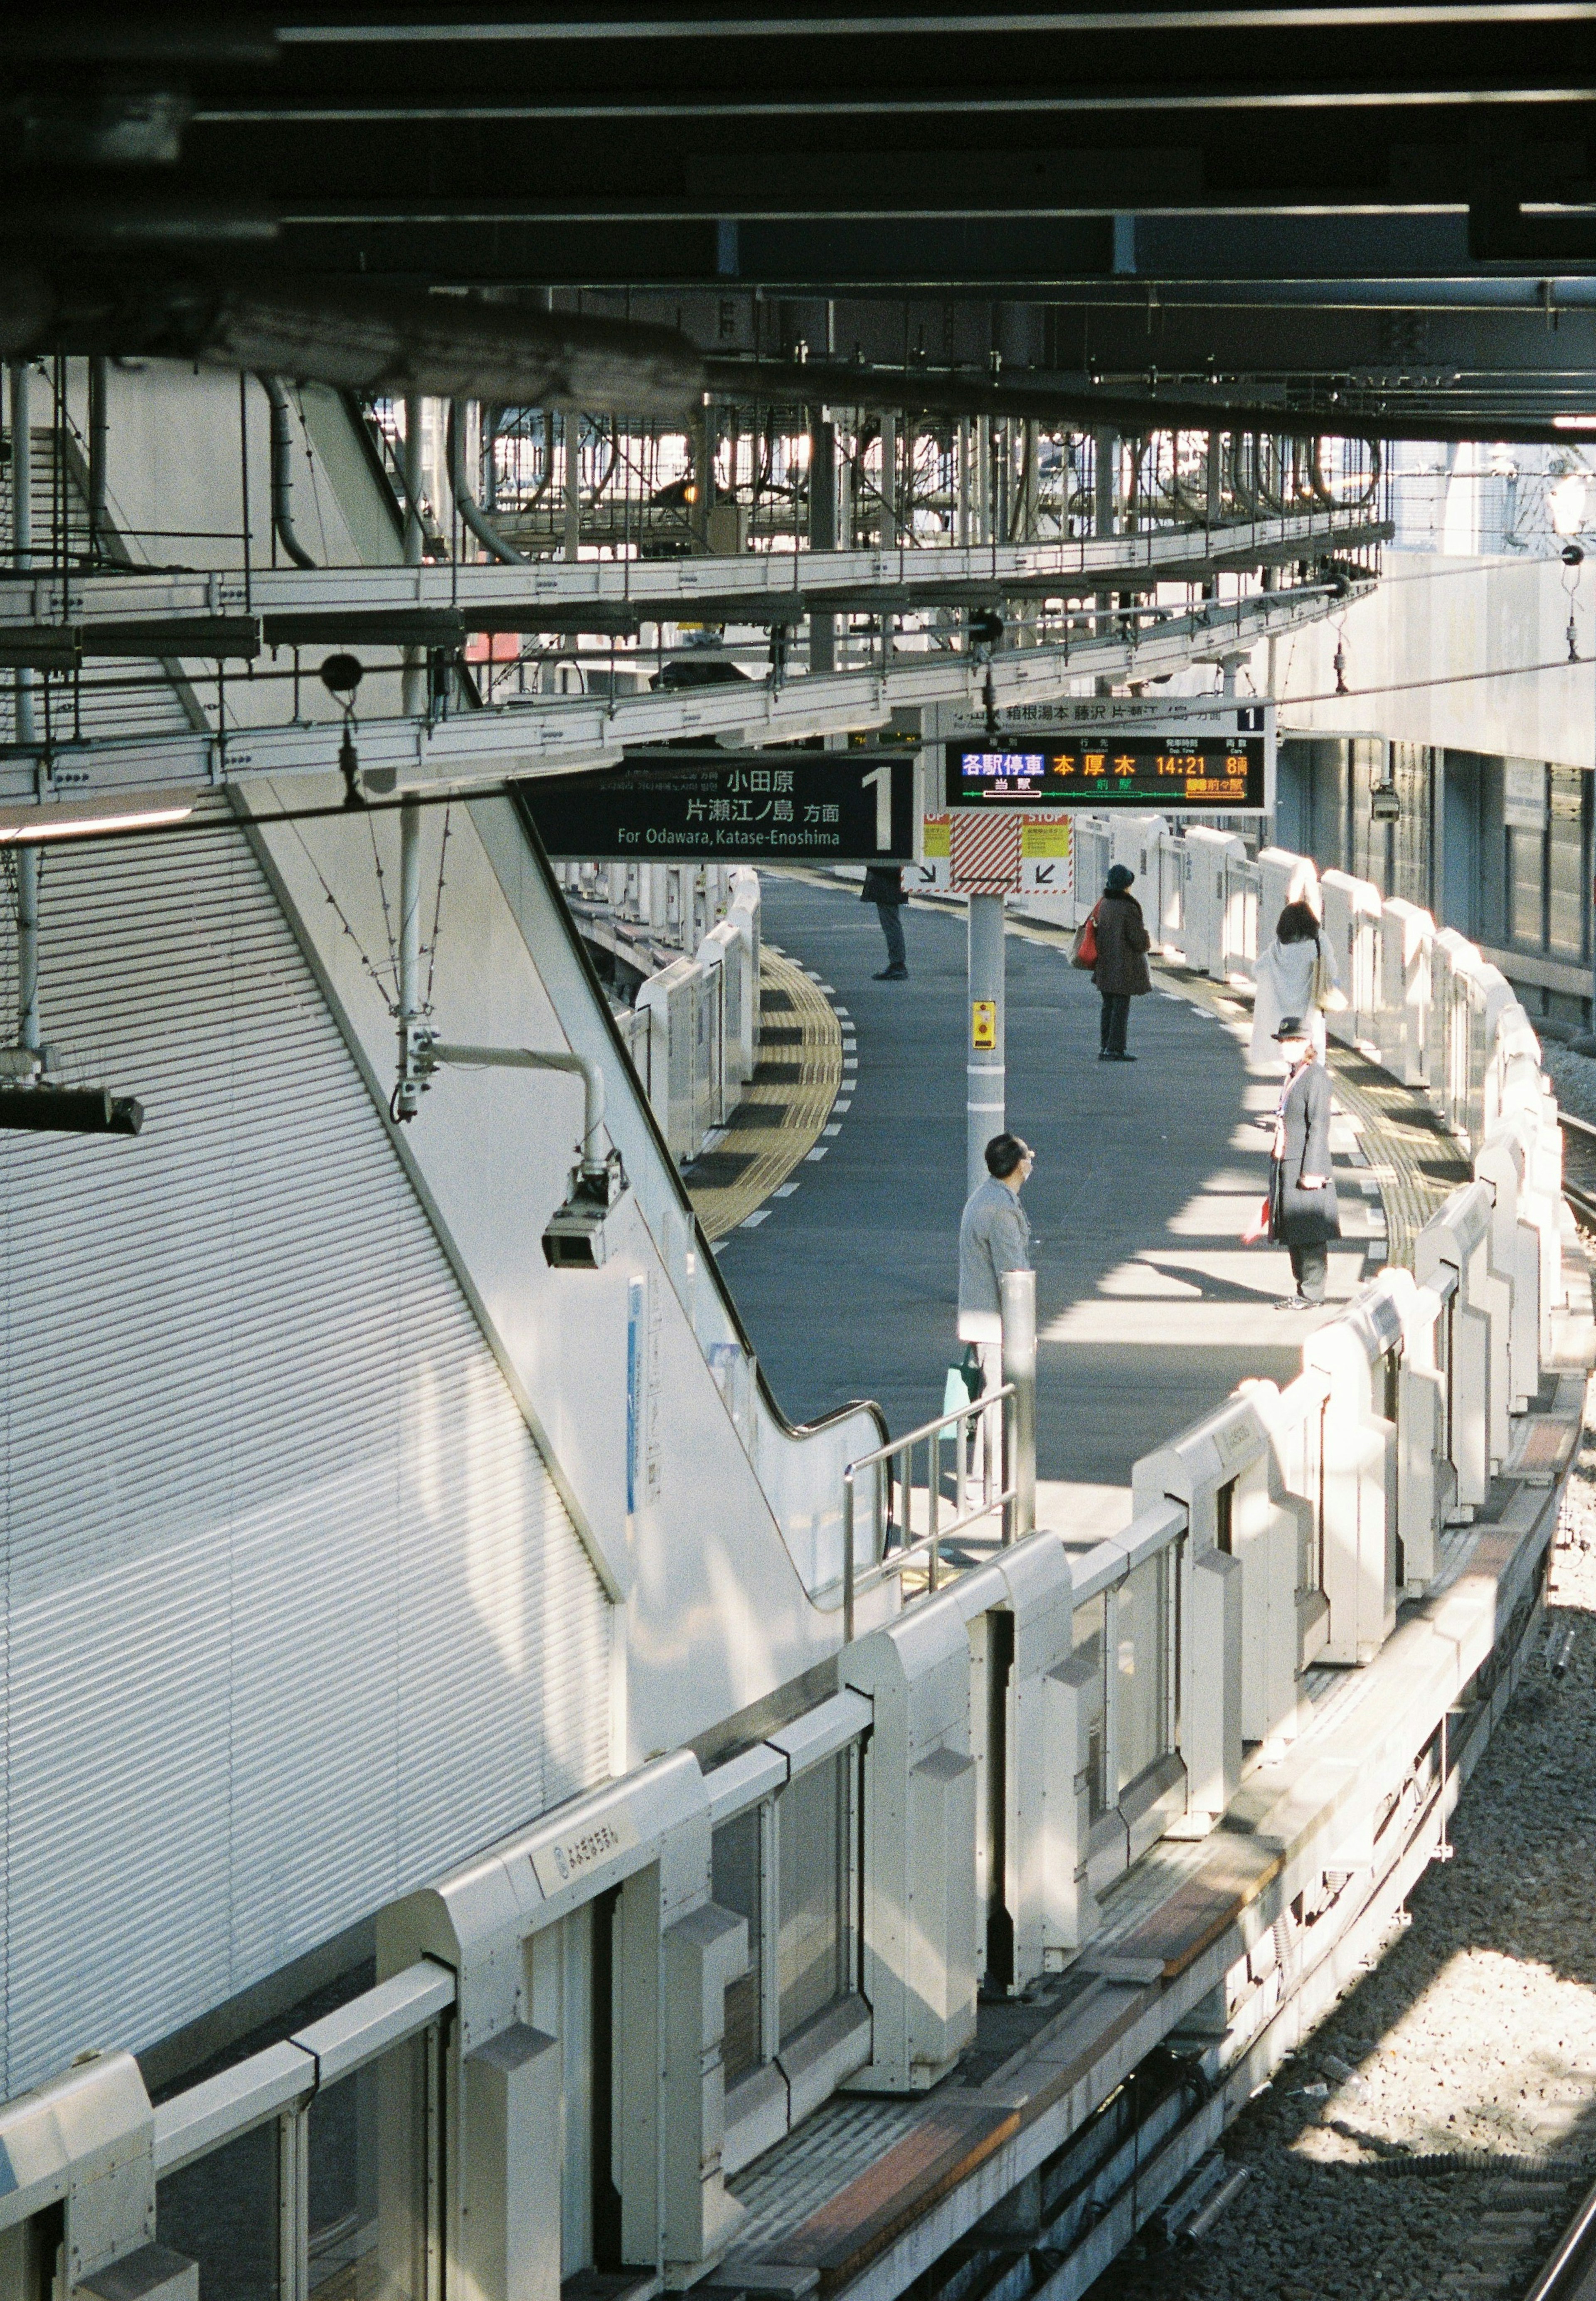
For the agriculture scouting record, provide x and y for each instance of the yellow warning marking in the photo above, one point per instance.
(983, 1022)
(800, 1106)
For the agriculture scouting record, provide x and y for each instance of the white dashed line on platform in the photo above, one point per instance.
(753, 1221)
(783, 1190)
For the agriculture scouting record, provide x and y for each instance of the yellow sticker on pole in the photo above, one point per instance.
(983, 1022)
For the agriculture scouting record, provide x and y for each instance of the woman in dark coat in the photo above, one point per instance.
(1303, 1214)
(1121, 972)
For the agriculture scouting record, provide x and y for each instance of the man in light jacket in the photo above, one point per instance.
(994, 1236)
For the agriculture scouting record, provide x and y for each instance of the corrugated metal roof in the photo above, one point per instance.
(294, 1615)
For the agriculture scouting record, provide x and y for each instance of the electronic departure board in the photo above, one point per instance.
(1167, 771)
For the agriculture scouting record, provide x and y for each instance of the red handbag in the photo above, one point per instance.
(1085, 953)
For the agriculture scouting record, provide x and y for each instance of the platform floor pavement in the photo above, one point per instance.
(1150, 1308)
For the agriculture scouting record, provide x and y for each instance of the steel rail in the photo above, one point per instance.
(961, 1424)
(1566, 2274)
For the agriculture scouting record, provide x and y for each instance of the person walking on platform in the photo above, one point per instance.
(1295, 975)
(1121, 972)
(883, 887)
(1303, 1214)
(994, 1235)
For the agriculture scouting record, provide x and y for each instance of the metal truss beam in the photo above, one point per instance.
(54, 620)
(554, 734)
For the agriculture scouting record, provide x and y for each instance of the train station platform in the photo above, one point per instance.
(1150, 1310)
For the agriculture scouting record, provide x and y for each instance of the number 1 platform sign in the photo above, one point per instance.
(729, 806)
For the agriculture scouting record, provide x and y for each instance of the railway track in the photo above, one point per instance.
(1579, 1167)
(1570, 2273)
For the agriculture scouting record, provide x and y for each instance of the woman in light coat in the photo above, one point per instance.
(1290, 978)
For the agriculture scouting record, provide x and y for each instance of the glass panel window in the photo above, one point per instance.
(1524, 888)
(812, 1892)
(367, 2202)
(1140, 1631)
(736, 1868)
(1566, 867)
(221, 2212)
(1089, 1642)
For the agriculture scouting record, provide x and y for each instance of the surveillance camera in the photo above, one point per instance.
(573, 1237)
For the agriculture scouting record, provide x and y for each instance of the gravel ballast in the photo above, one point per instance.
(1474, 2033)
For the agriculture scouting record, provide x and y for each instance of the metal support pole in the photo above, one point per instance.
(985, 1076)
(1018, 1288)
(572, 425)
(21, 517)
(408, 1097)
(888, 480)
(822, 529)
(99, 371)
(1214, 504)
(983, 480)
(1107, 476)
(28, 857)
(28, 863)
(538, 1059)
(962, 481)
(412, 680)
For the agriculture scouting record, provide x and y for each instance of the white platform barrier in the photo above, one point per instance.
(1206, 902)
(1451, 1256)
(1351, 928)
(723, 998)
(1402, 1026)
(1357, 1353)
(672, 999)
(693, 1034)
(1283, 878)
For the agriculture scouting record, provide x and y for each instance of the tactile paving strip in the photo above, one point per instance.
(797, 1089)
(782, 2188)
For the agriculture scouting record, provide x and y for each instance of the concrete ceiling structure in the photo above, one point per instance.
(1379, 216)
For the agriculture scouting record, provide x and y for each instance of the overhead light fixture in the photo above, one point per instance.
(44, 1109)
(45, 823)
(1573, 422)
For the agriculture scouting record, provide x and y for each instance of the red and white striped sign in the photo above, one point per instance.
(985, 854)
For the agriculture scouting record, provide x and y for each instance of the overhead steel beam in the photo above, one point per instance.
(553, 734)
(1371, 415)
(374, 341)
(152, 611)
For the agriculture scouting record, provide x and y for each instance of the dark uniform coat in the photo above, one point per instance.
(1299, 1218)
(1123, 945)
(883, 884)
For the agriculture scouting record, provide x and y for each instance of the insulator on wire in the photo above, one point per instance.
(1341, 668)
(348, 759)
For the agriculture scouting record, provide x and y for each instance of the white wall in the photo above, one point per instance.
(716, 1610)
(1412, 649)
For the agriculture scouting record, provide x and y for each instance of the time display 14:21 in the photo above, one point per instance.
(1224, 773)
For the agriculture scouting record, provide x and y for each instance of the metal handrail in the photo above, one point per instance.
(963, 1423)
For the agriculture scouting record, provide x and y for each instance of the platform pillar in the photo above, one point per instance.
(985, 1072)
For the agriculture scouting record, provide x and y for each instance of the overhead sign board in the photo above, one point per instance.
(1199, 758)
(730, 806)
